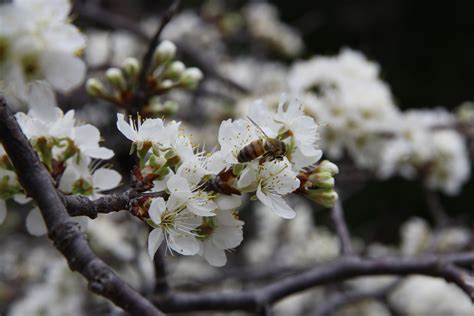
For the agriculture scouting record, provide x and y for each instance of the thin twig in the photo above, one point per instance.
(141, 90)
(339, 300)
(64, 232)
(438, 213)
(337, 216)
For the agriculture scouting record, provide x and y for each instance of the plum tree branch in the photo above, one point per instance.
(64, 232)
(346, 267)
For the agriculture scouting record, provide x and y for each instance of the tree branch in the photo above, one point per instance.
(64, 232)
(339, 270)
(339, 300)
(78, 205)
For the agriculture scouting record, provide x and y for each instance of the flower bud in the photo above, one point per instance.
(116, 78)
(191, 77)
(174, 70)
(95, 88)
(325, 197)
(164, 52)
(166, 84)
(131, 67)
(322, 179)
(327, 166)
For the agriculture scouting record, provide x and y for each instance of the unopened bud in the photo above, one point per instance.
(322, 179)
(174, 70)
(95, 88)
(327, 166)
(166, 84)
(191, 77)
(165, 52)
(116, 78)
(131, 67)
(326, 198)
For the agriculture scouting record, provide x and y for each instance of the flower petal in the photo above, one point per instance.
(106, 179)
(184, 244)
(215, 257)
(276, 203)
(154, 241)
(125, 128)
(35, 223)
(202, 208)
(226, 237)
(177, 183)
(42, 101)
(157, 207)
(228, 202)
(64, 71)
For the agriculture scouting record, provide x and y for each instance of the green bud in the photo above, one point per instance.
(325, 197)
(166, 84)
(116, 79)
(174, 70)
(327, 166)
(131, 67)
(191, 77)
(95, 88)
(164, 52)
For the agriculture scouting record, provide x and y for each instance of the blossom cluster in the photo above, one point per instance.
(194, 195)
(346, 94)
(37, 41)
(164, 75)
(70, 151)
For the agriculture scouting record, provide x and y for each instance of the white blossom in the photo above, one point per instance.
(40, 43)
(175, 224)
(225, 233)
(271, 180)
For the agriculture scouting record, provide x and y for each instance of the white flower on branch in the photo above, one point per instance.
(218, 234)
(175, 224)
(40, 43)
(271, 180)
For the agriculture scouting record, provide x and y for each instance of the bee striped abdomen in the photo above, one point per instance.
(252, 151)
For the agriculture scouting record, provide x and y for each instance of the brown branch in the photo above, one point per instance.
(336, 271)
(78, 205)
(141, 93)
(64, 232)
(337, 216)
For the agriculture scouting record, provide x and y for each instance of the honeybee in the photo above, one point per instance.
(265, 147)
